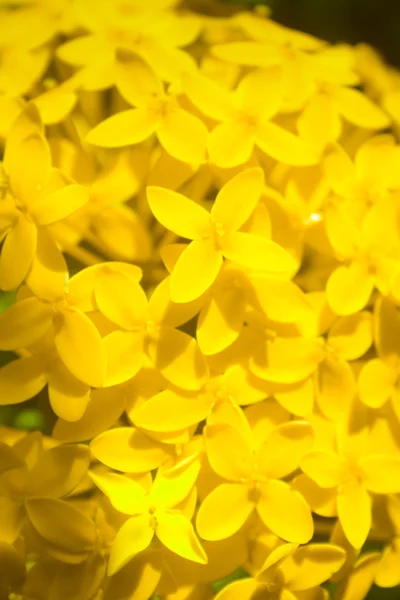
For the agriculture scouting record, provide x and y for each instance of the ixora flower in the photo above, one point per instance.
(351, 473)
(157, 512)
(216, 235)
(254, 470)
(60, 311)
(35, 195)
(287, 569)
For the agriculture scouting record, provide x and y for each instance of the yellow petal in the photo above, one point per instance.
(285, 360)
(177, 357)
(195, 271)
(174, 483)
(327, 469)
(284, 448)
(177, 213)
(221, 320)
(60, 204)
(23, 323)
(176, 532)
(21, 380)
(336, 387)
(283, 145)
(312, 565)
(68, 396)
(125, 355)
(359, 581)
(320, 123)
(242, 589)
(123, 129)
(237, 199)
(29, 169)
(381, 474)
(224, 511)
(348, 289)
(357, 108)
(80, 347)
(129, 450)
(48, 275)
(125, 494)
(169, 411)
(121, 299)
(322, 501)
(11, 519)
(134, 583)
(281, 300)
(17, 253)
(284, 511)
(354, 510)
(351, 336)
(102, 412)
(230, 144)
(388, 573)
(228, 451)
(12, 567)
(376, 382)
(134, 536)
(59, 471)
(257, 252)
(62, 524)
(183, 136)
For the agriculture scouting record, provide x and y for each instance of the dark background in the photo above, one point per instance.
(376, 22)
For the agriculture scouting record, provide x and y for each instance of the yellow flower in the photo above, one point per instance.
(153, 513)
(254, 469)
(216, 235)
(287, 569)
(35, 195)
(351, 473)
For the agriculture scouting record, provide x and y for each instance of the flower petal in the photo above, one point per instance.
(284, 448)
(59, 471)
(284, 511)
(129, 450)
(125, 355)
(48, 275)
(17, 253)
(121, 299)
(349, 288)
(376, 382)
(381, 474)
(354, 510)
(183, 136)
(123, 129)
(176, 355)
(242, 589)
(176, 532)
(62, 524)
(21, 380)
(224, 511)
(312, 565)
(24, 323)
(237, 199)
(327, 469)
(257, 252)
(68, 396)
(29, 168)
(169, 411)
(357, 108)
(177, 213)
(230, 144)
(134, 536)
(60, 204)
(228, 451)
(80, 347)
(195, 271)
(126, 495)
(283, 145)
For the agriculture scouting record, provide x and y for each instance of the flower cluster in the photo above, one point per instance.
(200, 232)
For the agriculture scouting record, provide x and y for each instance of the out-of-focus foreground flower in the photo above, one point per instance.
(200, 252)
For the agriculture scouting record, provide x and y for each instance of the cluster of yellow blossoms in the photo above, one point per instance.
(200, 223)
